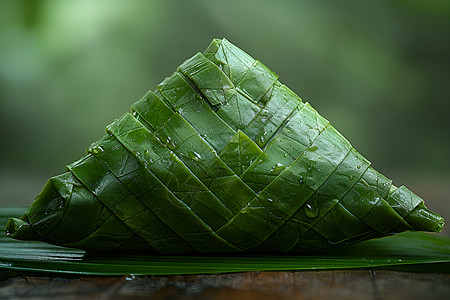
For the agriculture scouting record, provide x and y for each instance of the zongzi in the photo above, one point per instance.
(221, 157)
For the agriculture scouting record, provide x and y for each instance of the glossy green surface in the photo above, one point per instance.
(409, 251)
(221, 157)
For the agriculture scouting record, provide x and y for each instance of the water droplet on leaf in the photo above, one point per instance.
(278, 168)
(311, 211)
(97, 150)
(195, 156)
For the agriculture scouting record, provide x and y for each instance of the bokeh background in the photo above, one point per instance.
(378, 70)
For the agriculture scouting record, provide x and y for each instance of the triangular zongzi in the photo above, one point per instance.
(221, 157)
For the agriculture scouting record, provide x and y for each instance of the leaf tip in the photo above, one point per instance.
(20, 229)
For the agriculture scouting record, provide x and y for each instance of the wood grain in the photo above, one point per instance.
(352, 284)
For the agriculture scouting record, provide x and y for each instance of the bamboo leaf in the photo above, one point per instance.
(220, 158)
(411, 251)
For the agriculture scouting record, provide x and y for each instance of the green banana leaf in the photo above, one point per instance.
(409, 251)
(220, 158)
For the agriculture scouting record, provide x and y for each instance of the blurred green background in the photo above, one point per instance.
(378, 70)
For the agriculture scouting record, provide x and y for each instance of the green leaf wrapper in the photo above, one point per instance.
(221, 157)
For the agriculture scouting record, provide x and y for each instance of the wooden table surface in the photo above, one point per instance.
(345, 284)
